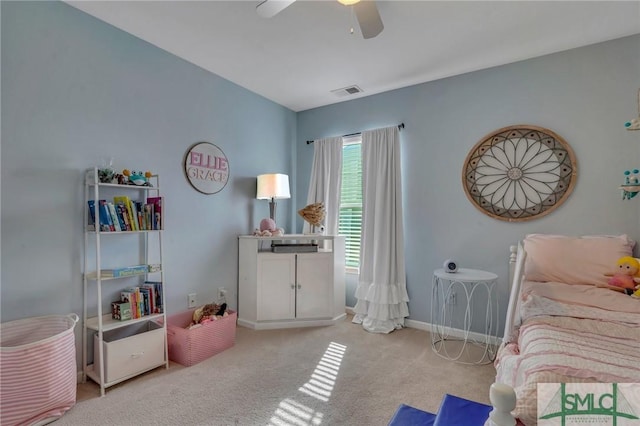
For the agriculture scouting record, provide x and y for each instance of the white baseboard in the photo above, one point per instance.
(273, 325)
(452, 332)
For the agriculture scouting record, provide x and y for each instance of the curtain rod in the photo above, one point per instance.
(400, 127)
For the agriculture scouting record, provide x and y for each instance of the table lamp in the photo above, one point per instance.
(272, 187)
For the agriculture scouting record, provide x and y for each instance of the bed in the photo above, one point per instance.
(561, 324)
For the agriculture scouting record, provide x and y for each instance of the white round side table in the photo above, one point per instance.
(452, 319)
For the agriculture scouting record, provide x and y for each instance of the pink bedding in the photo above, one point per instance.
(585, 295)
(570, 333)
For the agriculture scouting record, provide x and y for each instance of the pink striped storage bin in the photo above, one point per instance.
(190, 346)
(38, 363)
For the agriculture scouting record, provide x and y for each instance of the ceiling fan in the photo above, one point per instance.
(366, 12)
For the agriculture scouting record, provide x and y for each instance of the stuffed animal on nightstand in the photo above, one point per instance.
(268, 229)
(627, 276)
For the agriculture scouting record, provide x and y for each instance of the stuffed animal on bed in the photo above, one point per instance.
(627, 276)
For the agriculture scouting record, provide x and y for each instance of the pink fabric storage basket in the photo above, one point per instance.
(38, 362)
(190, 346)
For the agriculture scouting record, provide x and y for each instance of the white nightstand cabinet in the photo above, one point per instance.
(280, 290)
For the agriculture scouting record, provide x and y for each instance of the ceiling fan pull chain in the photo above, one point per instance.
(352, 19)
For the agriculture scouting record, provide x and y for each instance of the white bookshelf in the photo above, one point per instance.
(122, 348)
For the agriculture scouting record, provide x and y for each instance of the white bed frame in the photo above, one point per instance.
(503, 397)
(517, 258)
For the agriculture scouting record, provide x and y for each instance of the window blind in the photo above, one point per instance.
(350, 220)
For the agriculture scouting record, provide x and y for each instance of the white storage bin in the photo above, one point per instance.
(130, 350)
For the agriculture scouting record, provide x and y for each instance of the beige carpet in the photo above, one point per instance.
(337, 375)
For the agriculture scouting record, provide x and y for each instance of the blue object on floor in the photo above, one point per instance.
(456, 411)
(406, 415)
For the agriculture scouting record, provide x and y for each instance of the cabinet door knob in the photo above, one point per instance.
(293, 286)
(299, 286)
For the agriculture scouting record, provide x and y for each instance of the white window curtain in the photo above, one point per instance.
(326, 181)
(382, 289)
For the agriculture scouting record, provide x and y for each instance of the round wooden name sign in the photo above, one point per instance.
(206, 168)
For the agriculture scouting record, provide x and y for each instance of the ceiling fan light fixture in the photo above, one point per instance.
(366, 13)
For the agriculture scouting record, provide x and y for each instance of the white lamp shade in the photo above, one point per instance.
(273, 185)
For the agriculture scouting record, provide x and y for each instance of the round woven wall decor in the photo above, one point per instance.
(519, 173)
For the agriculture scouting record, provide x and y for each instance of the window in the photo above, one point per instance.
(350, 220)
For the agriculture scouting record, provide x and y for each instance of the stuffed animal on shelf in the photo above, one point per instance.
(136, 178)
(634, 124)
(106, 175)
(626, 279)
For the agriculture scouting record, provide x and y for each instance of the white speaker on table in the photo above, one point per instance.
(450, 266)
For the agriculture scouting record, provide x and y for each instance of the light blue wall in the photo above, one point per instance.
(76, 90)
(585, 95)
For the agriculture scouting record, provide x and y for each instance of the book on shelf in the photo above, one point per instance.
(121, 215)
(134, 216)
(137, 302)
(158, 302)
(114, 216)
(106, 224)
(134, 212)
(91, 219)
(121, 310)
(140, 213)
(124, 214)
(152, 297)
(110, 217)
(156, 210)
(146, 300)
(131, 296)
(124, 271)
(139, 305)
(126, 202)
(148, 216)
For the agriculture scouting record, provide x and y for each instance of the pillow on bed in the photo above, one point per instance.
(574, 260)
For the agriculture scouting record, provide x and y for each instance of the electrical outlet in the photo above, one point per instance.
(222, 293)
(191, 300)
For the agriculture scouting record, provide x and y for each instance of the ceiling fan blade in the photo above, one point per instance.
(369, 19)
(270, 8)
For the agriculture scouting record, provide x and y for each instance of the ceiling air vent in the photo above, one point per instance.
(347, 91)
